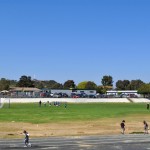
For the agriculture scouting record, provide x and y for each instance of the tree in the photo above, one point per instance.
(25, 81)
(119, 85)
(12, 83)
(49, 84)
(107, 81)
(82, 85)
(57, 86)
(126, 84)
(87, 85)
(4, 84)
(38, 84)
(123, 85)
(69, 84)
(90, 86)
(99, 89)
(135, 84)
(144, 89)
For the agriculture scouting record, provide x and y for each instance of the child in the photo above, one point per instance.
(145, 127)
(123, 126)
(65, 105)
(26, 140)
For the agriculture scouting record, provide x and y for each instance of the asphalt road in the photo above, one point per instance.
(117, 142)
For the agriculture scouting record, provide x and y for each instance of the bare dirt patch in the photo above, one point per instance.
(99, 127)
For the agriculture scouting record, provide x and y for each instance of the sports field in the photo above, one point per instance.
(76, 119)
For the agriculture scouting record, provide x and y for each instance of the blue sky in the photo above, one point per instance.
(80, 40)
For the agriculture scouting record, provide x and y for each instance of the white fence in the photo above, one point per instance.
(74, 100)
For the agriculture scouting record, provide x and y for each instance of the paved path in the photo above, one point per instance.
(117, 142)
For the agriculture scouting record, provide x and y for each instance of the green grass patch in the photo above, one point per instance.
(32, 113)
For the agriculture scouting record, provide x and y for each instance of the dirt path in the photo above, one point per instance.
(98, 127)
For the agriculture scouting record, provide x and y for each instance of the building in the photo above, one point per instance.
(68, 92)
(24, 92)
(123, 92)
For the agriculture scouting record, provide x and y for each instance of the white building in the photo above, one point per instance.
(68, 92)
(125, 92)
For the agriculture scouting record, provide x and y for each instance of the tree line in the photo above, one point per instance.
(106, 84)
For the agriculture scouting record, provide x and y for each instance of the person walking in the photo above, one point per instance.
(147, 106)
(40, 103)
(26, 140)
(65, 105)
(122, 126)
(146, 128)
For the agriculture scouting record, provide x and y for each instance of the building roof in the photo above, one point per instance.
(25, 89)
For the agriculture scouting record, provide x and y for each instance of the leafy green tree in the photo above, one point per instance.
(135, 84)
(123, 85)
(48, 84)
(51, 84)
(119, 85)
(87, 85)
(99, 89)
(25, 81)
(69, 84)
(144, 89)
(90, 85)
(82, 85)
(12, 83)
(57, 86)
(4, 84)
(38, 84)
(126, 84)
(104, 90)
(107, 81)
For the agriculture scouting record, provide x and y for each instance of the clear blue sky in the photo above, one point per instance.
(80, 40)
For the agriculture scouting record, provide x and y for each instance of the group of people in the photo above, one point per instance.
(146, 127)
(49, 104)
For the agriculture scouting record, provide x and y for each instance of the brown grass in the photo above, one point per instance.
(98, 127)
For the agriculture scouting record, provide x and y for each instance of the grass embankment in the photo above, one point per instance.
(77, 119)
